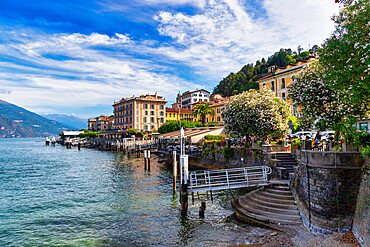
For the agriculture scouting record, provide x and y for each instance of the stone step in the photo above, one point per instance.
(274, 208)
(279, 187)
(276, 196)
(278, 191)
(266, 216)
(273, 200)
(291, 206)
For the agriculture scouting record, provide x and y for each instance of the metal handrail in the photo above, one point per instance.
(228, 178)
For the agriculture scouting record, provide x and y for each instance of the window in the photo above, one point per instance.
(137, 112)
(151, 106)
(144, 119)
(146, 113)
(218, 119)
(137, 119)
(174, 115)
(273, 86)
(218, 110)
(152, 127)
(205, 100)
(195, 100)
(200, 95)
(162, 107)
(146, 127)
(181, 115)
(162, 120)
(145, 106)
(170, 114)
(186, 115)
(161, 113)
(283, 83)
(283, 96)
(152, 120)
(264, 84)
(152, 113)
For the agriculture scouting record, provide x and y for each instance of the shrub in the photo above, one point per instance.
(227, 153)
(214, 137)
(171, 126)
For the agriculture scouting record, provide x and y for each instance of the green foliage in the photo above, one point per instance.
(296, 143)
(227, 153)
(132, 130)
(211, 124)
(246, 78)
(295, 124)
(366, 151)
(171, 126)
(202, 110)
(89, 134)
(214, 137)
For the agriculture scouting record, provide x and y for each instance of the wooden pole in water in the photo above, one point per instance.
(148, 160)
(174, 172)
(202, 209)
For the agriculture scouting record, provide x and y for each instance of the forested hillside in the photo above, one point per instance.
(246, 78)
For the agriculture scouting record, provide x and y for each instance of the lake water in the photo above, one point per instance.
(54, 196)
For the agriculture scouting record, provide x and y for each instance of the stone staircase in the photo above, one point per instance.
(285, 163)
(268, 206)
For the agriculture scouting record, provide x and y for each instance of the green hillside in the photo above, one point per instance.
(246, 78)
(19, 122)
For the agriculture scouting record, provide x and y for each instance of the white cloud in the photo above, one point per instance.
(220, 38)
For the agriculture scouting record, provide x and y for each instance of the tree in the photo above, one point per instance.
(335, 92)
(295, 124)
(345, 56)
(202, 110)
(255, 113)
(171, 126)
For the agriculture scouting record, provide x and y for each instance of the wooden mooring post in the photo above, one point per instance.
(202, 209)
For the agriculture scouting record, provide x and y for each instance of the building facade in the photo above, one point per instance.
(144, 113)
(176, 114)
(188, 99)
(279, 81)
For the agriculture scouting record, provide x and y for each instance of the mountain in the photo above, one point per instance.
(75, 122)
(246, 78)
(16, 121)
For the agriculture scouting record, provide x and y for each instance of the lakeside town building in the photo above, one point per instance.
(188, 99)
(279, 81)
(176, 114)
(144, 113)
(100, 123)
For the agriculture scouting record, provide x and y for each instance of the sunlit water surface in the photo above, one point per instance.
(65, 197)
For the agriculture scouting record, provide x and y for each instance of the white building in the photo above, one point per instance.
(187, 99)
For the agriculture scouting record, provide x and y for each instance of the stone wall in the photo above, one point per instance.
(361, 223)
(325, 186)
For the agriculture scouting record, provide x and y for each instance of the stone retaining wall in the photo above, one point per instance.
(361, 223)
(325, 186)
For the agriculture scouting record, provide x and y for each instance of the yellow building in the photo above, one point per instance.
(175, 114)
(282, 77)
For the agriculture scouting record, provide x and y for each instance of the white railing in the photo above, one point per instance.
(228, 178)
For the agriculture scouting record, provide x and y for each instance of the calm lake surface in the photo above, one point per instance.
(53, 196)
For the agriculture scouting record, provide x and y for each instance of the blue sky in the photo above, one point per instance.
(78, 56)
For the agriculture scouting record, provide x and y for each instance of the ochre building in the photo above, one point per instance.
(282, 77)
(144, 113)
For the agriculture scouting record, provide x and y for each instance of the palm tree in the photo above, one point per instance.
(202, 110)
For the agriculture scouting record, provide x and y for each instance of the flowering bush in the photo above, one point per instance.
(255, 113)
(335, 92)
